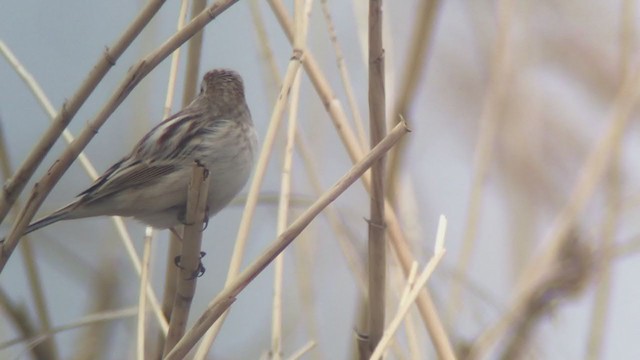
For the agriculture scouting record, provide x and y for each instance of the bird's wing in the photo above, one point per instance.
(119, 178)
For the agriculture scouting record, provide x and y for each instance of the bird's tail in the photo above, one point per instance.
(60, 214)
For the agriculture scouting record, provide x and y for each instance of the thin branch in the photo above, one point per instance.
(84, 321)
(254, 189)
(91, 171)
(377, 129)
(302, 351)
(426, 306)
(602, 301)
(135, 75)
(14, 186)
(142, 298)
(483, 153)
(590, 175)
(228, 295)
(190, 266)
(302, 10)
(344, 75)
(405, 305)
(415, 66)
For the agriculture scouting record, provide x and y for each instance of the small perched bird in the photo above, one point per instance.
(150, 184)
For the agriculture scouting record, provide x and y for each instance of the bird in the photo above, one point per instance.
(150, 184)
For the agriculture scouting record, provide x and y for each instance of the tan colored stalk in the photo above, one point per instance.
(33, 274)
(173, 250)
(142, 299)
(377, 129)
(302, 10)
(227, 296)
(421, 281)
(86, 164)
(333, 216)
(426, 306)
(14, 186)
(483, 153)
(600, 311)
(254, 189)
(190, 265)
(82, 322)
(273, 79)
(194, 51)
(590, 175)
(283, 213)
(302, 351)
(344, 75)
(191, 79)
(420, 43)
(134, 76)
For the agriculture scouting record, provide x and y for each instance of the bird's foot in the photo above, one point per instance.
(199, 270)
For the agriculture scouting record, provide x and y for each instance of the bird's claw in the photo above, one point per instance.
(199, 270)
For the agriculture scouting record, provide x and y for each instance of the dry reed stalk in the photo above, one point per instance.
(569, 275)
(227, 296)
(254, 189)
(92, 319)
(171, 273)
(344, 75)
(377, 129)
(283, 211)
(483, 153)
(17, 314)
(603, 279)
(592, 171)
(412, 290)
(31, 267)
(426, 306)
(105, 284)
(14, 186)
(135, 75)
(190, 265)
(298, 354)
(142, 298)
(420, 44)
(86, 164)
(302, 11)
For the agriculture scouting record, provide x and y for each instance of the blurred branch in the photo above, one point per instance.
(425, 304)
(344, 75)
(254, 188)
(135, 75)
(483, 152)
(593, 169)
(602, 301)
(84, 321)
(228, 295)
(302, 10)
(18, 315)
(104, 292)
(141, 329)
(122, 231)
(14, 186)
(415, 66)
(412, 289)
